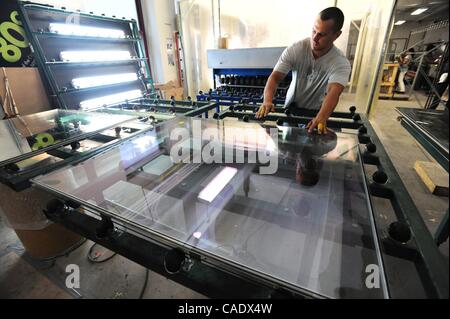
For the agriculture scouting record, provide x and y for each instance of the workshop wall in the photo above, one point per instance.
(263, 23)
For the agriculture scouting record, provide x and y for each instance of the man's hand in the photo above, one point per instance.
(319, 122)
(265, 109)
(327, 108)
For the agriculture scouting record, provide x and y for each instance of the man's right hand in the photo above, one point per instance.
(265, 109)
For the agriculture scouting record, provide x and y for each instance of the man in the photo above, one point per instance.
(320, 72)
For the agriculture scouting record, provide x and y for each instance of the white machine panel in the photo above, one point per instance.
(258, 58)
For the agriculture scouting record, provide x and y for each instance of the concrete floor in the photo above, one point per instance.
(121, 278)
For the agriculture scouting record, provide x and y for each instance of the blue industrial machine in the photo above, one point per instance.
(240, 76)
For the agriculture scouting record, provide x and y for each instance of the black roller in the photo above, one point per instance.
(118, 129)
(362, 130)
(356, 117)
(352, 109)
(379, 177)
(12, 167)
(245, 118)
(173, 261)
(372, 148)
(75, 145)
(189, 98)
(400, 232)
(280, 122)
(55, 207)
(231, 108)
(200, 92)
(287, 112)
(216, 116)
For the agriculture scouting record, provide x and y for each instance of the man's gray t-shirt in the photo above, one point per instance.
(312, 75)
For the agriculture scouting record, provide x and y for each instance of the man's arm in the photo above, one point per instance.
(269, 92)
(329, 104)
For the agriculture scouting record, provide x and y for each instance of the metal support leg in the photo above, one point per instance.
(442, 231)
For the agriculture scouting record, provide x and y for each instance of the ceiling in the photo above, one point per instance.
(437, 10)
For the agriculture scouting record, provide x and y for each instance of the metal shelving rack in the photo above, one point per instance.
(57, 73)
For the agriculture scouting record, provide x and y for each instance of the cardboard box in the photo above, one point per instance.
(170, 89)
(27, 89)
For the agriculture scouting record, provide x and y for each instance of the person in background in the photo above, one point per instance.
(404, 60)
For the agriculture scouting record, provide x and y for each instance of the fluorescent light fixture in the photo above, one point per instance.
(217, 184)
(94, 56)
(79, 30)
(110, 99)
(93, 81)
(399, 22)
(418, 11)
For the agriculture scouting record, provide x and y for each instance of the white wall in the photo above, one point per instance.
(268, 23)
(353, 10)
(160, 22)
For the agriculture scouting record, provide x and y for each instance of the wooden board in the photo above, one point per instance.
(433, 176)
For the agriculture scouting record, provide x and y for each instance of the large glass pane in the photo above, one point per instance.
(432, 123)
(370, 47)
(196, 24)
(26, 135)
(306, 226)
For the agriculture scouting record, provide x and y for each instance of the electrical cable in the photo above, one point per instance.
(95, 258)
(52, 260)
(144, 287)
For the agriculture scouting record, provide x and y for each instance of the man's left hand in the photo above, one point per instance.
(319, 122)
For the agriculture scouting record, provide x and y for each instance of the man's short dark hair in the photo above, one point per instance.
(334, 14)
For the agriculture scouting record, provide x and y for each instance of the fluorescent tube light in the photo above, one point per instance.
(399, 22)
(94, 56)
(93, 81)
(217, 184)
(110, 99)
(79, 30)
(418, 11)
